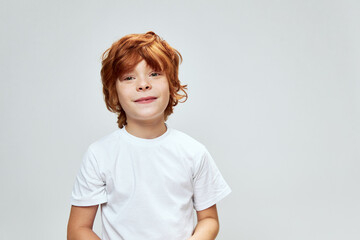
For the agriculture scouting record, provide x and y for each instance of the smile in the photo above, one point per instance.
(146, 101)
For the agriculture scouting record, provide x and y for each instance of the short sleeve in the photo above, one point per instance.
(89, 188)
(209, 185)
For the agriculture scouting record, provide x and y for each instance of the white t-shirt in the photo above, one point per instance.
(148, 188)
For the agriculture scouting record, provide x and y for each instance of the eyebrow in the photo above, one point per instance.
(150, 69)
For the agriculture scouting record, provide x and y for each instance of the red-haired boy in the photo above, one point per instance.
(147, 177)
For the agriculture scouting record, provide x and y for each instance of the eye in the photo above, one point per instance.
(128, 78)
(155, 74)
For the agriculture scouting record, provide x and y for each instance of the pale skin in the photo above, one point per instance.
(144, 121)
(81, 222)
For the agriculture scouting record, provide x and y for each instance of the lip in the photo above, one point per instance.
(146, 99)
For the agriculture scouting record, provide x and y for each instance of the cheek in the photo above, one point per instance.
(121, 91)
(121, 96)
(118, 93)
(166, 88)
(166, 93)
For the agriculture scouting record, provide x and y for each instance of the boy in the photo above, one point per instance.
(147, 176)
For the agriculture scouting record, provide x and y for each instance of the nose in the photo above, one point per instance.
(143, 84)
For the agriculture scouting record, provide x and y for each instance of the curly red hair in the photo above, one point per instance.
(125, 54)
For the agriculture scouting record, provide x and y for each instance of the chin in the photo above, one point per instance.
(150, 116)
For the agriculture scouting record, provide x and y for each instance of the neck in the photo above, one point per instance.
(145, 130)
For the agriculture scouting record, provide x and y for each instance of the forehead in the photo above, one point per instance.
(135, 61)
(141, 66)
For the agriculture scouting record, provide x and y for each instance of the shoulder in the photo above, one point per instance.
(187, 142)
(105, 143)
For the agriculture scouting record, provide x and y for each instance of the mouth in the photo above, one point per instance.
(146, 99)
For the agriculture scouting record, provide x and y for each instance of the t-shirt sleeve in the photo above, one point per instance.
(209, 185)
(89, 188)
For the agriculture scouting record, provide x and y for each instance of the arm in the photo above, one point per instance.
(81, 222)
(207, 227)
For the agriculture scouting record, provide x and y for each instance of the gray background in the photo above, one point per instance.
(273, 93)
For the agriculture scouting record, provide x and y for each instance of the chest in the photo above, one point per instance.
(147, 173)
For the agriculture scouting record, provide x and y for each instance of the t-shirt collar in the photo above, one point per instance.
(144, 141)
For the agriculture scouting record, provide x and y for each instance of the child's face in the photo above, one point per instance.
(141, 82)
